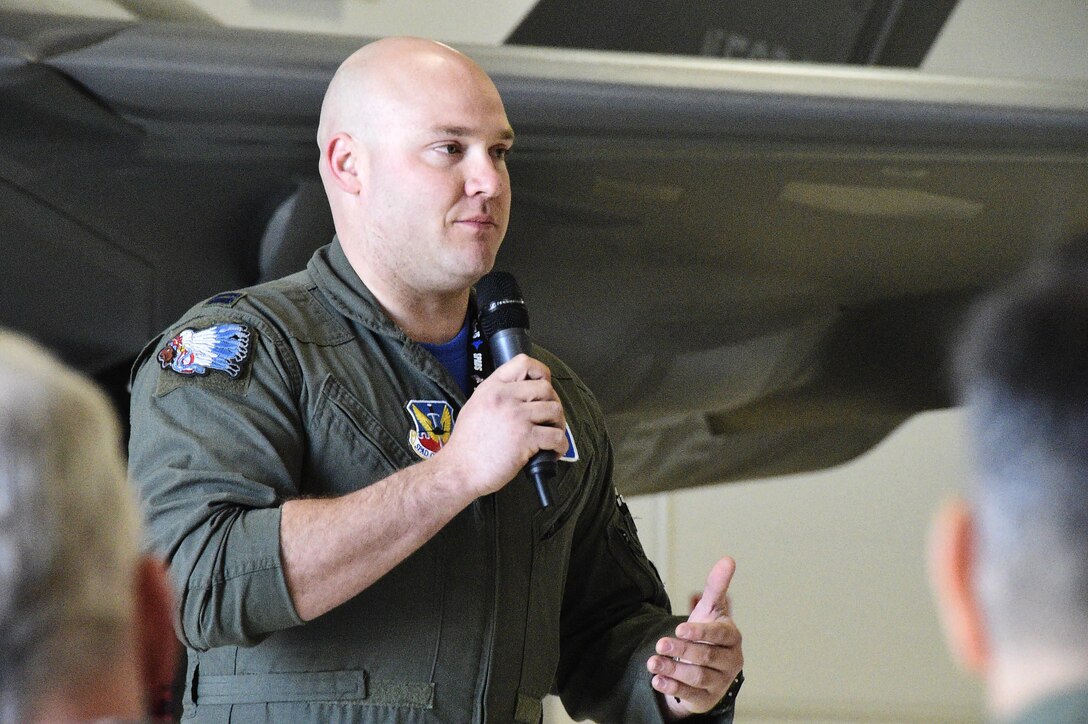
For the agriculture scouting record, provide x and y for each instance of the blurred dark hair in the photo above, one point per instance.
(1030, 338)
(1021, 370)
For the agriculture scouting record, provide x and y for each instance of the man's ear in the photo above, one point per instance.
(341, 160)
(952, 565)
(158, 645)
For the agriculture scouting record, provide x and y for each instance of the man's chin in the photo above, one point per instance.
(462, 277)
(480, 264)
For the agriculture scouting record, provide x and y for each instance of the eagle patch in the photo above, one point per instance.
(433, 423)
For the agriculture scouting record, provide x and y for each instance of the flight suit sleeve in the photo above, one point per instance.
(615, 608)
(213, 455)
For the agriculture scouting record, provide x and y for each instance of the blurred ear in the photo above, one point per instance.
(342, 160)
(952, 564)
(158, 645)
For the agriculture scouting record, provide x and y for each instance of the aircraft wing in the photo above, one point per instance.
(756, 266)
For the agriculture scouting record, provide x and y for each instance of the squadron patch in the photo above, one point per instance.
(433, 421)
(222, 347)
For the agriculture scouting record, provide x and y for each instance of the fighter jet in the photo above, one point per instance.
(755, 262)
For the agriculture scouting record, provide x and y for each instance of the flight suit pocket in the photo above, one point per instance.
(351, 442)
(627, 550)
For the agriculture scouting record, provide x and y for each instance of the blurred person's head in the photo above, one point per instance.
(1011, 561)
(84, 617)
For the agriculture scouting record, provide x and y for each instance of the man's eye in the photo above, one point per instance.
(501, 152)
(449, 148)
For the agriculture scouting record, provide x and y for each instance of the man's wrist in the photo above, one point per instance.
(730, 699)
(725, 706)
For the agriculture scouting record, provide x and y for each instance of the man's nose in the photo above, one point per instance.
(484, 176)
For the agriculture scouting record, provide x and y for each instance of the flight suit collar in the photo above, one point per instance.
(352, 298)
(347, 292)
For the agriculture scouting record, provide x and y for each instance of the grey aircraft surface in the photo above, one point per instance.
(755, 264)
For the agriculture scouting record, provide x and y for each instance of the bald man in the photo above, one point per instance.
(340, 497)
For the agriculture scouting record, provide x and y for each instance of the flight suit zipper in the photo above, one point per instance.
(492, 523)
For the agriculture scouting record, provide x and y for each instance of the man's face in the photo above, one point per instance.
(437, 191)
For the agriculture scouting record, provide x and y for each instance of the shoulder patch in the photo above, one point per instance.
(225, 348)
(224, 299)
(222, 347)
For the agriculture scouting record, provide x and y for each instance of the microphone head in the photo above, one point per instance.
(499, 304)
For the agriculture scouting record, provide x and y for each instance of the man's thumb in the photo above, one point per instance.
(714, 603)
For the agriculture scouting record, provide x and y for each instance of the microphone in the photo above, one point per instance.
(504, 323)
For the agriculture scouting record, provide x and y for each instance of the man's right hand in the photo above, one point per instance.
(512, 414)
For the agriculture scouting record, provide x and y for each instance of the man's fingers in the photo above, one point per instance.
(522, 367)
(546, 412)
(546, 437)
(550, 431)
(698, 673)
(714, 603)
(695, 699)
(541, 405)
(721, 632)
(532, 390)
(693, 675)
(710, 646)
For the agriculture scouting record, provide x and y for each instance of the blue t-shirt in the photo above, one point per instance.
(454, 356)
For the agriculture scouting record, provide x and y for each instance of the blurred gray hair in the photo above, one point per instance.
(1022, 367)
(69, 528)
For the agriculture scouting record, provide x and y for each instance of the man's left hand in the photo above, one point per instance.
(694, 669)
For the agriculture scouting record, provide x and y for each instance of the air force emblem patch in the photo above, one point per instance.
(222, 347)
(433, 420)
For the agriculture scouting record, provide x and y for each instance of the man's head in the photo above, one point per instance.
(413, 138)
(1011, 563)
(78, 606)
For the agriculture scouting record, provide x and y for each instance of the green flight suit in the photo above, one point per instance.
(507, 603)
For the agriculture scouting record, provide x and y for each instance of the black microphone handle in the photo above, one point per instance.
(506, 344)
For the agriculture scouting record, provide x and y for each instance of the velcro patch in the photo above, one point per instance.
(224, 299)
